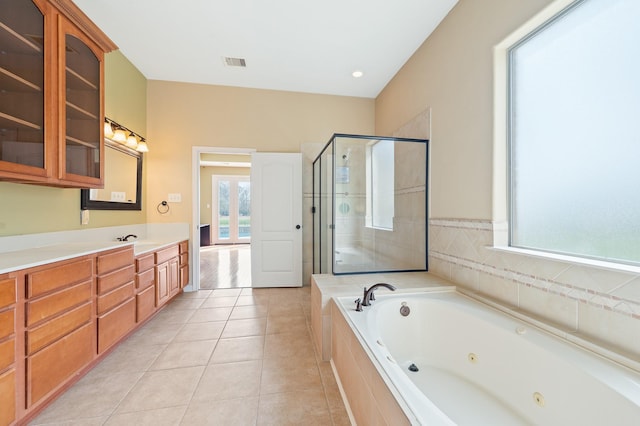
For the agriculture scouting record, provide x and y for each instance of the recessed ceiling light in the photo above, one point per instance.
(357, 74)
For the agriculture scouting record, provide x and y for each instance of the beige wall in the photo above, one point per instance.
(184, 115)
(452, 72)
(27, 209)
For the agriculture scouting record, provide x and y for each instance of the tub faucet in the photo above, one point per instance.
(126, 237)
(368, 293)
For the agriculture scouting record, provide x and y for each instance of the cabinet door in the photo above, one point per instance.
(174, 276)
(81, 107)
(162, 283)
(22, 89)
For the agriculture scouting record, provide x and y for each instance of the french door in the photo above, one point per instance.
(231, 212)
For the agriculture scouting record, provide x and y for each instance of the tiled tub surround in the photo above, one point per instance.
(592, 302)
(505, 369)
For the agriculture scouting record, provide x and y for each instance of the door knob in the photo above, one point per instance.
(298, 226)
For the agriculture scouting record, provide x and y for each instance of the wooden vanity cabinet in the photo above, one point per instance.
(145, 286)
(60, 336)
(167, 274)
(8, 334)
(52, 84)
(183, 248)
(115, 301)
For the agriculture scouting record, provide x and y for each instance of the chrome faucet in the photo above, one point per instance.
(126, 237)
(368, 293)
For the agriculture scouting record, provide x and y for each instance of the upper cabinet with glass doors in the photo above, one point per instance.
(51, 94)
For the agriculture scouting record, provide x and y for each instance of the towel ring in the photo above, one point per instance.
(163, 207)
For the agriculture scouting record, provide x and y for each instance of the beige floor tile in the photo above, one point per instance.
(285, 375)
(220, 302)
(185, 303)
(293, 308)
(229, 381)
(168, 416)
(162, 388)
(200, 331)
(91, 397)
(306, 407)
(92, 421)
(288, 345)
(174, 316)
(340, 417)
(238, 349)
(226, 292)
(249, 300)
(184, 354)
(128, 358)
(232, 412)
(154, 334)
(286, 324)
(200, 294)
(244, 312)
(245, 327)
(211, 314)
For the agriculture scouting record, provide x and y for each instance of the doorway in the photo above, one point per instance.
(202, 159)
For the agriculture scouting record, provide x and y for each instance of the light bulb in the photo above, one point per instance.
(108, 130)
(142, 146)
(132, 142)
(119, 136)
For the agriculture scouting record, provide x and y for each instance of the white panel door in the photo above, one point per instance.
(276, 206)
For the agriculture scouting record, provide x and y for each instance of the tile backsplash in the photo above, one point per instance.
(599, 304)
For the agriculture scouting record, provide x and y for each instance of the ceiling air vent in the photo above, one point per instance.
(235, 62)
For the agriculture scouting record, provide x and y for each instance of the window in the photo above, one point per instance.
(380, 183)
(574, 101)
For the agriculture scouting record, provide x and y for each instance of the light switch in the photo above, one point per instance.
(174, 198)
(84, 217)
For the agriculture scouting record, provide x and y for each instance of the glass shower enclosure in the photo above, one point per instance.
(370, 205)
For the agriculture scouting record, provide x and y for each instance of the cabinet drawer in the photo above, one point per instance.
(116, 260)
(52, 366)
(145, 279)
(7, 353)
(7, 292)
(58, 277)
(115, 279)
(184, 247)
(115, 324)
(145, 262)
(52, 330)
(7, 323)
(8, 397)
(145, 304)
(114, 298)
(166, 254)
(184, 259)
(53, 304)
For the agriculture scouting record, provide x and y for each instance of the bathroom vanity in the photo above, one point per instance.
(64, 307)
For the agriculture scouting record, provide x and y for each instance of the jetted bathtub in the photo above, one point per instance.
(454, 360)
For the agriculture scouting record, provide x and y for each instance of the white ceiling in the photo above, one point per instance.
(292, 45)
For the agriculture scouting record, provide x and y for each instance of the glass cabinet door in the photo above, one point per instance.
(80, 157)
(22, 142)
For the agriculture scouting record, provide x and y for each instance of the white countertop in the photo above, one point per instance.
(40, 249)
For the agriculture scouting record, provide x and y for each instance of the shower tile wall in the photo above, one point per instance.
(599, 304)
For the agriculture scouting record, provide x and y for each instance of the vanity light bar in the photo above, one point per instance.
(118, 133)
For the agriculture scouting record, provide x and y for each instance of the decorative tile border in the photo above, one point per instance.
(592, 297)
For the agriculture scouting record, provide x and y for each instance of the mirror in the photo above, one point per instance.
(122, 181)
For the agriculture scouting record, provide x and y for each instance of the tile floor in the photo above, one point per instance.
(214, 357)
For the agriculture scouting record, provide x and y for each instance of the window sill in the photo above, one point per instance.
(601, 264)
